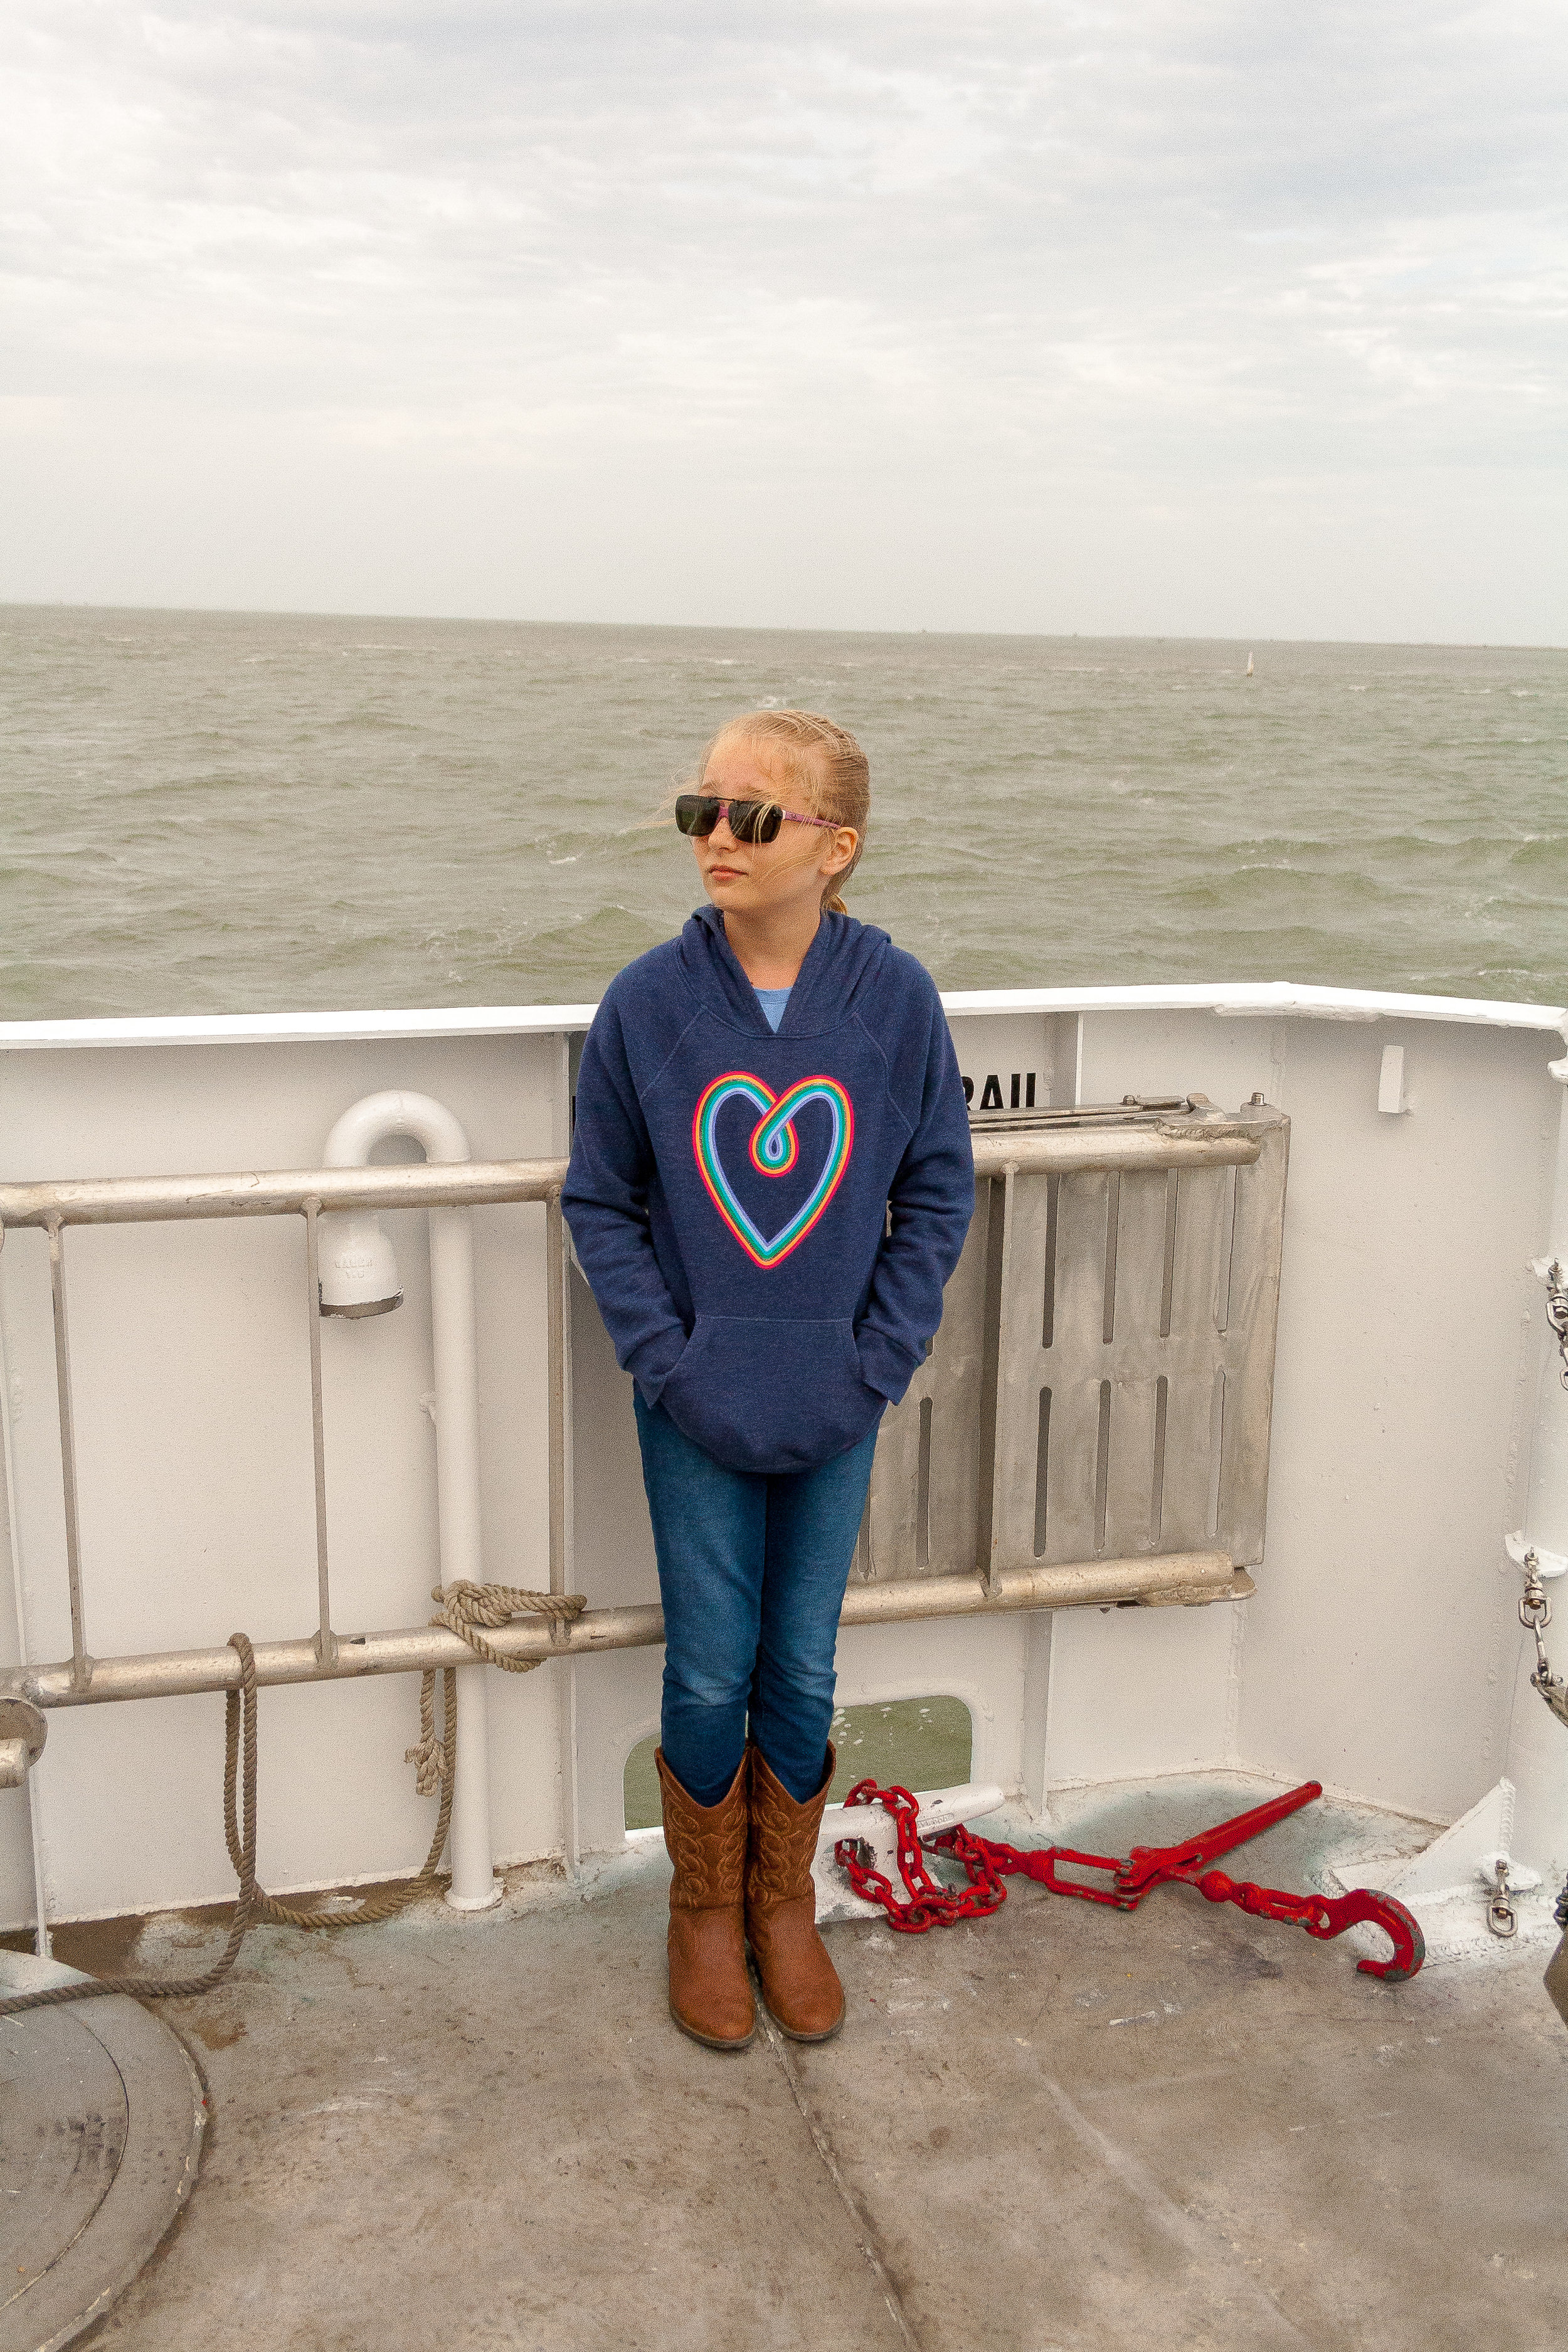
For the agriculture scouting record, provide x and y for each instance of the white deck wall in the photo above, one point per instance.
(1379, 1654)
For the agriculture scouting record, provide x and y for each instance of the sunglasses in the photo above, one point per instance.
(697, 812)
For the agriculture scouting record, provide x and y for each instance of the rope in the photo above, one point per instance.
(435, 1762)
(236, 1704)
(391, 1900)
(465, 1606)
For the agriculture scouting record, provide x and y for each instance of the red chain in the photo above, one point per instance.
(929, 1904)
(987, 1862)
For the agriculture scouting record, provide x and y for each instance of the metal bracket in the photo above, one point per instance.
(1549, 1564)
(1501, 1916)
(940, 1809)
(1549, 1270)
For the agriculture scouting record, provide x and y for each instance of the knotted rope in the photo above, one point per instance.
(465, 1606)
(434, 1759)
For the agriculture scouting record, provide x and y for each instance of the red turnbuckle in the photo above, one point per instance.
(987, 1864)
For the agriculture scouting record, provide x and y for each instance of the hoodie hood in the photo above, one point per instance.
(842, 965)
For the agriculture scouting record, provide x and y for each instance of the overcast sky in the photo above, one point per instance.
(1162, 316)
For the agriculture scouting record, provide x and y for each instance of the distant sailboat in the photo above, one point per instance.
(1250, 665)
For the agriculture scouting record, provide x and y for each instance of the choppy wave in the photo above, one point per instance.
(221, 813)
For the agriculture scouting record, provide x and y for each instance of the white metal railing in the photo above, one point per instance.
(305, 1194)
(1144, 1138)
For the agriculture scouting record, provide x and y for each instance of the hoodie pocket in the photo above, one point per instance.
(763, 1394)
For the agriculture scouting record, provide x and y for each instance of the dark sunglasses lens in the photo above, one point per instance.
(696, 814)
(754, 820)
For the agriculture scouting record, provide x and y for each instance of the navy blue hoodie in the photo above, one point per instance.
(730, 1189)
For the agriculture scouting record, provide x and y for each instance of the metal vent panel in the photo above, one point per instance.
(923, 1518)
(1102, 1383)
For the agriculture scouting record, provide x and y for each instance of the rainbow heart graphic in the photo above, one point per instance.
(774, 1149)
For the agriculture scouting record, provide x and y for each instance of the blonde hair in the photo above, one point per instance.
(823, 761)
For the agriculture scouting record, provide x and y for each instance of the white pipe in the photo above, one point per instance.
(1538, 1744)
(1191, 1577)
(349, 1144)
(42, 1941)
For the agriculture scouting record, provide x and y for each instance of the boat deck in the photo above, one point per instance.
(1064, 2126)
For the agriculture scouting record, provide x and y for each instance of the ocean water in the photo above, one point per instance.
(907, 1743)
(243, 812)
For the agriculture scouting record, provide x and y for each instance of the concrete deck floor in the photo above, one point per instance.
(1063, 2129)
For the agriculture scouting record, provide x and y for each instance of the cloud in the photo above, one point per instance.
(673, 267)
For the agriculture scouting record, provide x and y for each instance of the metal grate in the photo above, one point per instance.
(1102, 1381)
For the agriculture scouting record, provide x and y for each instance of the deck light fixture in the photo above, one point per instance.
(359, 1269)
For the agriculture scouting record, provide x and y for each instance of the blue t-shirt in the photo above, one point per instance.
(772, 1002)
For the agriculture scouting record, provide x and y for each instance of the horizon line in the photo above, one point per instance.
(769, 628)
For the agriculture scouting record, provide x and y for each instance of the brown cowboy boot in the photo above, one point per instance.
(710, 1990)
(800, 1984)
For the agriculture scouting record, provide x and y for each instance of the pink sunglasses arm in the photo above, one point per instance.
(790, 817)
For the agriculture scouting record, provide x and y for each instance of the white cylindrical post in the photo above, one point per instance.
(1538, 1744)
(473, 1886)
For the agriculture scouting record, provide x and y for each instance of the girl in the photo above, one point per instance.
(771, 1181)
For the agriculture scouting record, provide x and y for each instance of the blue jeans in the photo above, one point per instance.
(752, 1570)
